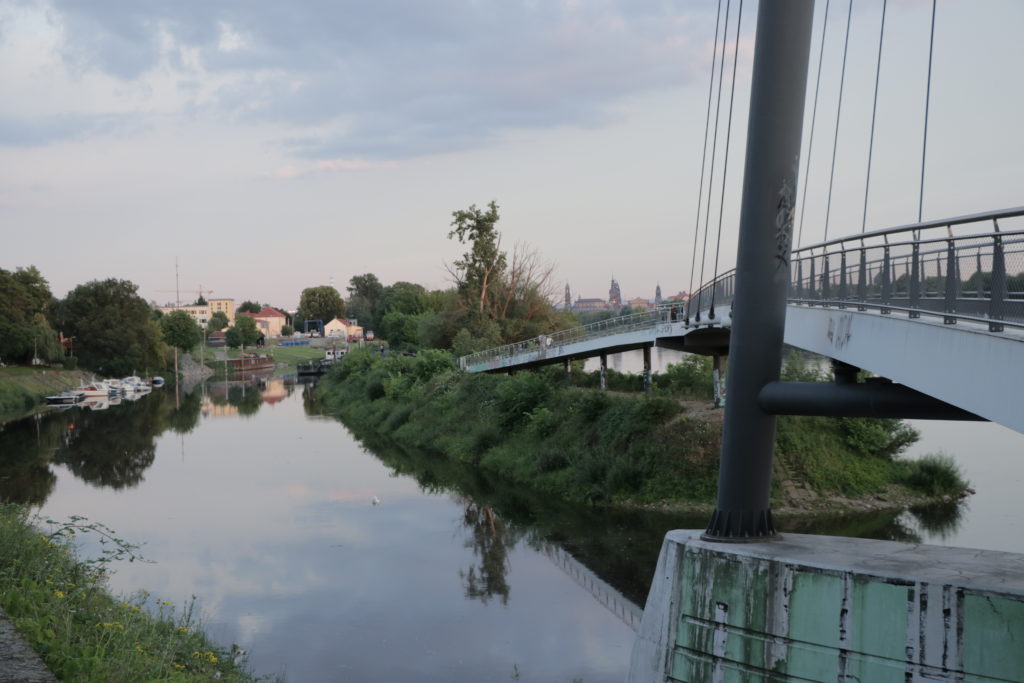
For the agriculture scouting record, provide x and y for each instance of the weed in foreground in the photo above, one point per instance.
(61, 605)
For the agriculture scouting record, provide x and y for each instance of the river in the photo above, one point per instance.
(331, 562)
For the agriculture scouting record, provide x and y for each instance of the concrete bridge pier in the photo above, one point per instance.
(604, 372)
(819, 608)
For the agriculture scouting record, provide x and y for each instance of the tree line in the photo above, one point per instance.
(497, 296)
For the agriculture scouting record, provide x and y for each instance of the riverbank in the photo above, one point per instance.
(22, 389)
(540, 430)
(60, 605)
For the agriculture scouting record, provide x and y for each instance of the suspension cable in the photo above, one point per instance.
(874, 111)
(927, 102)
(725, 162)
(839, 111)
(714, 152)
(814, 118)
(707, 122)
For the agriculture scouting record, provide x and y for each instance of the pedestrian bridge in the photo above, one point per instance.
(929, 305)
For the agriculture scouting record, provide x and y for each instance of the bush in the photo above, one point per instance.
(692, 377)
(519, 395)
(879, 437)
(935, 474)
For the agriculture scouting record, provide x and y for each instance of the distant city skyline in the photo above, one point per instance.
(271, 149)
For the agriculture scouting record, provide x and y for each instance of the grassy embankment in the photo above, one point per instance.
(22, 388)
(61, 606)
(563, 438)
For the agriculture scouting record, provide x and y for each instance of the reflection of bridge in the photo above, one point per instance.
(930, 306)
(629, 613)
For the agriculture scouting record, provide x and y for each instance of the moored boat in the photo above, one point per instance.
(94, 389)
(134, 383)
(158, 381)
(250, 362)
(65, 398)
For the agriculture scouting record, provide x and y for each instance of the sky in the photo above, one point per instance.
(254, 148)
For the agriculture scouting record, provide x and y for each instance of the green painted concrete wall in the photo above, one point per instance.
(814, 608)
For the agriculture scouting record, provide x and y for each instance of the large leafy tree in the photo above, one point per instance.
(25, 304)
(114, 332)
(243, 332)
(364, 297)
(320, 303)
(501, 296)
(479, 268)
(403, 297)
(218, 321)
(249, 307)
(180, 330)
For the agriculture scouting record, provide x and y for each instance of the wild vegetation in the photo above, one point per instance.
(60, 604)
(554, 434)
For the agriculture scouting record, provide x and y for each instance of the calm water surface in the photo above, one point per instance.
(265, 511)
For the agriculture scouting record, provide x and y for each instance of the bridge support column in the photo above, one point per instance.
(568, 370)
(762, 267)
(604, 372)
(647, 369)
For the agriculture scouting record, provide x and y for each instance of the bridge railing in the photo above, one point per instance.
(538, 347)
(704, 308)
(968, 268)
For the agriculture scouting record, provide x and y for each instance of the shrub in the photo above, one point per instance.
(935, 474)
(519, 395)
(692, 377)
(881, 437)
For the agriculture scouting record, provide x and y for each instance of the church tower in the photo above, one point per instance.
(568, 298)
(657, 295)
(614, 295)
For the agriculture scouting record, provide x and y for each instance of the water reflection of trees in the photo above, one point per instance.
(311, 403)
(247, 400)
(109, 448)
(620, 546)
(28, 447)
(490, 539)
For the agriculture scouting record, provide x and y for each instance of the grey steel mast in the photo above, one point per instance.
(762, 267)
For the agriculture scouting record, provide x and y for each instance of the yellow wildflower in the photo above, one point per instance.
(183, 629)
(59, 594)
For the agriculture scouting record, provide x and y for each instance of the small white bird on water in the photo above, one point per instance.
(376, 500)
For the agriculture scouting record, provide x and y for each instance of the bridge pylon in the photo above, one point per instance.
(775, 127)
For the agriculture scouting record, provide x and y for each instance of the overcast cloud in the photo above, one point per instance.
(266, 147)
(383, 80)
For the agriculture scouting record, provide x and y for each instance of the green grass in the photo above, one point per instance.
(61, 606)
(283, 354)
(552, 434)
(23, 388)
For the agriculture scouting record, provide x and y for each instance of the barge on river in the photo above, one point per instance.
(251, 362)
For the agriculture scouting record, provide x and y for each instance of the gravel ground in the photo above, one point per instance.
(18, 662)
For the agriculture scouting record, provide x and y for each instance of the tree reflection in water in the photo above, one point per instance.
(620, 546)
(491, 540)
(26, 449)
(110, 448)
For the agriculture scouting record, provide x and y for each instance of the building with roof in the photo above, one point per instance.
(225, 306)
(201, 314)
(269, 321)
